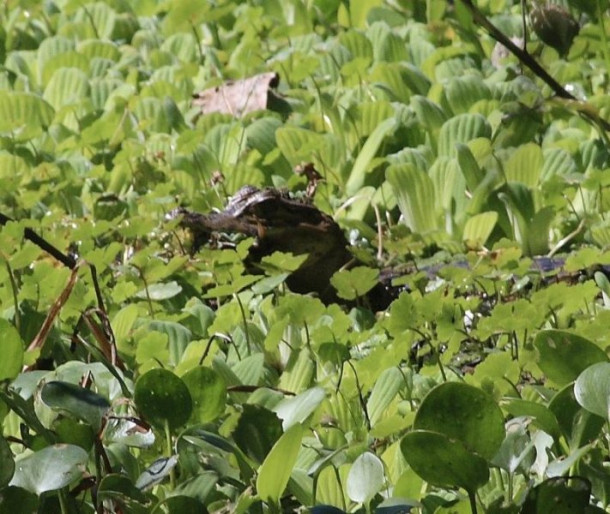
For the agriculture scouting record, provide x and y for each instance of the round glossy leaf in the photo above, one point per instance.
(8, 464)
(563, 356)
(17, 499)
(592, 389)
(120, 488)
(443, 461)
(365, 478)
(163, 397)
(463, 412)
(558, 496)
(75, 401)
(578, 426)
(51, 468)
(208, 392)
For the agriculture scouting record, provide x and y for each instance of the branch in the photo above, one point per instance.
(582, 107)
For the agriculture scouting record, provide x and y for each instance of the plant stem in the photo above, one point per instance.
(168, 451)
(473, 502)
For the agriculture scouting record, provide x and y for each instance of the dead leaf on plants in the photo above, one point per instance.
(238, 97)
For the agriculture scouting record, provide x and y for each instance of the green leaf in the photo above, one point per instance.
(384, 391)
(592, 389)
(76, 401)
(274, 473)
(24, 115)
(297, 409)
(208, 392)
(415, 193)
(12, 351)
(461, 129)
(160, 292)
(365, 478)
(478, 228)
(442, 461)
(370, 148)
(162, 397)
(66, 87)
(50, 469)
(558, 496)
(257, 430)
(465, 413)
(8, 463)
(354, 283)
(562, 356)
(525, 165)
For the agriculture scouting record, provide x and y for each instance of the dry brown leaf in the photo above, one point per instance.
(238, 97)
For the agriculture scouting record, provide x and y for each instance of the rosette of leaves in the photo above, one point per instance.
(554, 25)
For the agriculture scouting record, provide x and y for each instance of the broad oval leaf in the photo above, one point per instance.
(208, 392)
(78, 402)
(365, 478)
(562, 356)
(162, 398)
(50, 469)
(592, 389)
(8, 463)
(464, 413)
(442, 461)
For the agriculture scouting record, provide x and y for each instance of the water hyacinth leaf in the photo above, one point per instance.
(541, 415)
(76, 401)
(578, 425)
(120, 488)
(274, 472)
(257, 430)
(298, 408)
(156, 472)
(442, 461)
(12, 351)
(354, 283)
(365, 478)
(208, 392)
(592, 389)
(415, 194)
(50, 469)
(464, 413)
(384, 391)
(562, 356)
(8, 464)
(162, 397)
(558, 496)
